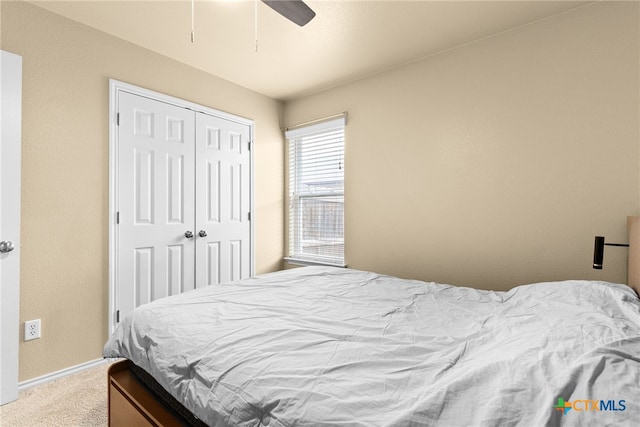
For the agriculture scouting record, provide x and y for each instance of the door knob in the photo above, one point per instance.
(188, 234)
(202, 233)
(6, 246)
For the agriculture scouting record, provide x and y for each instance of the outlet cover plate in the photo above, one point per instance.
(31, 329)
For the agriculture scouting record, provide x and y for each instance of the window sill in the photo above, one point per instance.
(298, 261)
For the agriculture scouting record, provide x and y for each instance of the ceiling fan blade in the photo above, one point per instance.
(294, 10)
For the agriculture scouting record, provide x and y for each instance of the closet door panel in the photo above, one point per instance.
(223, 165)
(156, 184)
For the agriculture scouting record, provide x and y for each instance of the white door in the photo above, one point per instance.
(222, 200)
(183, 202)
(10, 143)
(156, 193)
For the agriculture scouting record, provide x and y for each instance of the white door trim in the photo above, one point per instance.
(115, 87)
(10, 168)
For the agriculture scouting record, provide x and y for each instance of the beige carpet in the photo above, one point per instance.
(78, 400)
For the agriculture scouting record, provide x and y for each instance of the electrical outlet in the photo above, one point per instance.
(31, 329)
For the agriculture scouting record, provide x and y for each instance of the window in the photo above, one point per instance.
(316, 193)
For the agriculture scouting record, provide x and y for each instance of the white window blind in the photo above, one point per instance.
(316, 193)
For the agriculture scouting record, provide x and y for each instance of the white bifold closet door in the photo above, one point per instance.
(222, 200)
(183, 200)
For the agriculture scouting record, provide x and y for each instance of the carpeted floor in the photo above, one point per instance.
(78, 400)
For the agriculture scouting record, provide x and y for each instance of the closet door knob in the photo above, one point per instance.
(202, 233)
(188, 234)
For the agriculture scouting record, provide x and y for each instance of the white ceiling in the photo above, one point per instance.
(346, 40)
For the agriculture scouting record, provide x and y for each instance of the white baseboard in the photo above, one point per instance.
(60, 374)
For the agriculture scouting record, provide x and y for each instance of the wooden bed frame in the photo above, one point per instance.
(633, 263)
(132, 404)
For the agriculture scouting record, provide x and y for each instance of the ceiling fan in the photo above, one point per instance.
(294, 10)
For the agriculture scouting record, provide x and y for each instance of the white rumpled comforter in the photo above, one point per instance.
(320, 346)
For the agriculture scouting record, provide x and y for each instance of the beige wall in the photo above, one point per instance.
(66, 67)
(497, 163)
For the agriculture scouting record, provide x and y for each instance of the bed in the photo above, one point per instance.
(323, 346)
